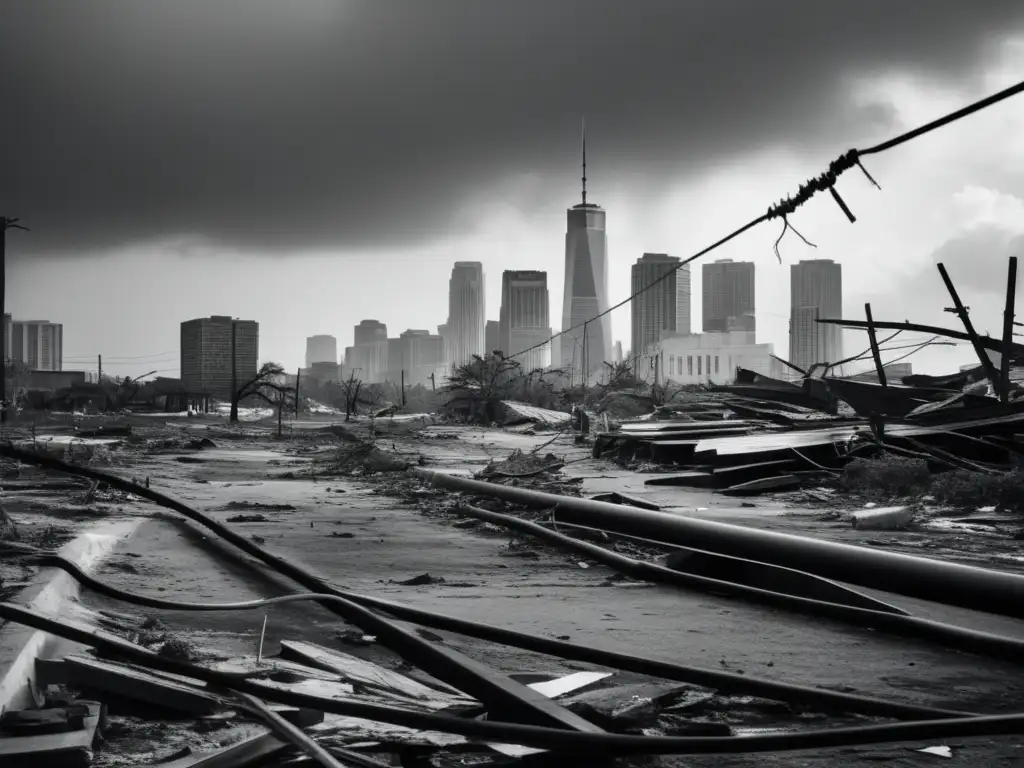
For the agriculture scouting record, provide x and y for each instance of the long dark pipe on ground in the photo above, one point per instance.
(529, 735)
(948, 583)
(960, 638)
(726, 682)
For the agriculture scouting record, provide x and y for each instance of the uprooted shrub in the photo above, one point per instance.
(895, 477)
(886, 477)
(971, 490)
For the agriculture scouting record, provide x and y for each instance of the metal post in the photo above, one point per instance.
(1011, 296)
(99, 369)
(298, 378)
(875, 353)
(961, 311)
(403, 387)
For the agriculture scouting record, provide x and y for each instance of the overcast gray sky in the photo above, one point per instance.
(348, 139)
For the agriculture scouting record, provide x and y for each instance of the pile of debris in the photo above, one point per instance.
(531, 470)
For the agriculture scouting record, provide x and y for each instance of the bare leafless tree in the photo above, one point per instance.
(267, 374)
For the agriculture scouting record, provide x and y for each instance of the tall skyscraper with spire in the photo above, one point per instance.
(584, 349)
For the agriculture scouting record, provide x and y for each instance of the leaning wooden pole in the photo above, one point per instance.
(1011, 297)
(961, 311)
(875, 353)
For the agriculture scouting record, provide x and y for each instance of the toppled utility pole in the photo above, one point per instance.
(1008, 323)
(5, 224)
(961, 311)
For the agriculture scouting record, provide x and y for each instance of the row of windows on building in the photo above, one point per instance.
(675, 365)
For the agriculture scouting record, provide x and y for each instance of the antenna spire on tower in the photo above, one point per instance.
(584, 160)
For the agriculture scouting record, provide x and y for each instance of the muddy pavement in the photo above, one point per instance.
(371, 534)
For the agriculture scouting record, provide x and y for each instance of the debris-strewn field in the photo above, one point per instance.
(350, 503)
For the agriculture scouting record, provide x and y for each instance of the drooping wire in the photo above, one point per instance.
(805, 192)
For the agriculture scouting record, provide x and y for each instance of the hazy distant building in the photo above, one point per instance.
(422, 357)
(321, 349)
(727, 297)
(206, 364)
(466, 319)
(36, 344)
(369, 331)
(702, 358)
(664, 305)
(525, 322)
(617, 356)
(586, 288)
(816, 291)
(7, 337)
(492, 336)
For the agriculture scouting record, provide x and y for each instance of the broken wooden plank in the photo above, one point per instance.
(71, 749)
(246, 752)
(131, 682)
(357, 670)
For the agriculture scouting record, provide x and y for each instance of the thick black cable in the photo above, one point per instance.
(825, 181)
(529, 735)
(727, 682)
(952, 117)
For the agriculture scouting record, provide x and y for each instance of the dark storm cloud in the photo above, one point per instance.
(352, 124)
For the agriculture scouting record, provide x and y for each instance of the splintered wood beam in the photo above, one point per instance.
(875, 353)
(965, 318)
(1008, 323)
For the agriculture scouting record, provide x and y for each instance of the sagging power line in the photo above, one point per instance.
(787, 206)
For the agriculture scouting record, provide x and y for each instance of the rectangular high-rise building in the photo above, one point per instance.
(664, 304)
(369, 331)
(321, 349)
(422, 356)
(816, 291)
(36, 344)
(525, 322)
(206, 361)
(727, 296)
(467, 322)
(492, 336)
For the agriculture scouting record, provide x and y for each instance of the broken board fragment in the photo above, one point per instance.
(356, 670)
(70, 749)
(635, 704)
(132, 682)
(246, 752)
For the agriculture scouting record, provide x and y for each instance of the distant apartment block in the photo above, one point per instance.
(206, 362)
(525, 324)
(36, 344)
(816, 291)
(321, 349)
(727, 297)
(465, 331)
(664, 304)
(369, 331)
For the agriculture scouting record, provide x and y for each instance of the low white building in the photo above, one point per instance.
(700, 358)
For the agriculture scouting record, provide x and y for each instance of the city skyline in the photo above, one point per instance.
(350, 221)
